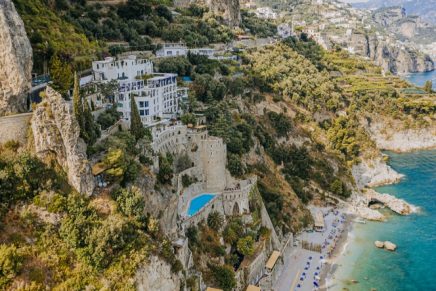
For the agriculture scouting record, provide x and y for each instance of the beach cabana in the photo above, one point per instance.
(253, 288)
(319, 221)
(272, 261)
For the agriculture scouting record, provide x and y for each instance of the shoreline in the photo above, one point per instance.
(327, 275)
(330, 266)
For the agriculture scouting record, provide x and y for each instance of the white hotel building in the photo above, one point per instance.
(157, 97)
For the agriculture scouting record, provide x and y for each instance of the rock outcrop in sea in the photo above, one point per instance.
(15, 61)
(397, 205)
(56, 134)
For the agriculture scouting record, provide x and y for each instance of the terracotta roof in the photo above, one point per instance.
(272, 260)
(253, 288)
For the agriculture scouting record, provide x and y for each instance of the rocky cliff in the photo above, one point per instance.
(390, 56)
(374, 173)
(156, 275)
(229, 10)
(56, 133)
(396, 139)
(15, 61)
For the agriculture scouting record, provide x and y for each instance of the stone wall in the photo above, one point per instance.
(15, 61)
(171, 138)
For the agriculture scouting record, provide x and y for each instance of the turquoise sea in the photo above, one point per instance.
(413, 265)
(420, 78)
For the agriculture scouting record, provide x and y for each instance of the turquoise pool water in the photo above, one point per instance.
(198, 202)
(413, 265)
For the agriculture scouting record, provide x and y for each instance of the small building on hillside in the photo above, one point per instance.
(172, 50)
(127, 68)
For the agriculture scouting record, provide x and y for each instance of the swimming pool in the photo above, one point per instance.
(198, 202)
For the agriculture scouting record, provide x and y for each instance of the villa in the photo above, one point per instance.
(157, 95)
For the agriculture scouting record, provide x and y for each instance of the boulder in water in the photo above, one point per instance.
(390, 246)
(379, 244)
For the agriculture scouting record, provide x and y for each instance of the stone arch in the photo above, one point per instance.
(235, 209)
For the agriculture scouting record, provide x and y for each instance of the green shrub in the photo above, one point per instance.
(10, 263)
(215, 220)
(246, 246)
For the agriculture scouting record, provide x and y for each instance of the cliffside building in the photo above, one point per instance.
(157, 95)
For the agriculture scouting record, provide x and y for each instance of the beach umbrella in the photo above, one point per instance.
(301, 279)
(315, 284)
(316, 273)
(310, 258)
(298, 286)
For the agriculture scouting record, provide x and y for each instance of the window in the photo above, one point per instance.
(141, 112)
(146, 112)
(141, 103)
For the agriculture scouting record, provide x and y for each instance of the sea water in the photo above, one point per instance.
(413, 265)
(419, 79)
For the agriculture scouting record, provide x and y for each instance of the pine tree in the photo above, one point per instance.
(61, 76)
(78, 104)
(136, 126)
(428, 87)
(91, 128)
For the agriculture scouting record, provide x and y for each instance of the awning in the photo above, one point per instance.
(272, 260)
(319, 219)
(253, 288)
(98, 168)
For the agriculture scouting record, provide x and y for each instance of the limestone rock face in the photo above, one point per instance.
(374, 172)
(156, 275)
(401, 140)
(15, 61)
(390, 56)
(229, 9)
(56, 132)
